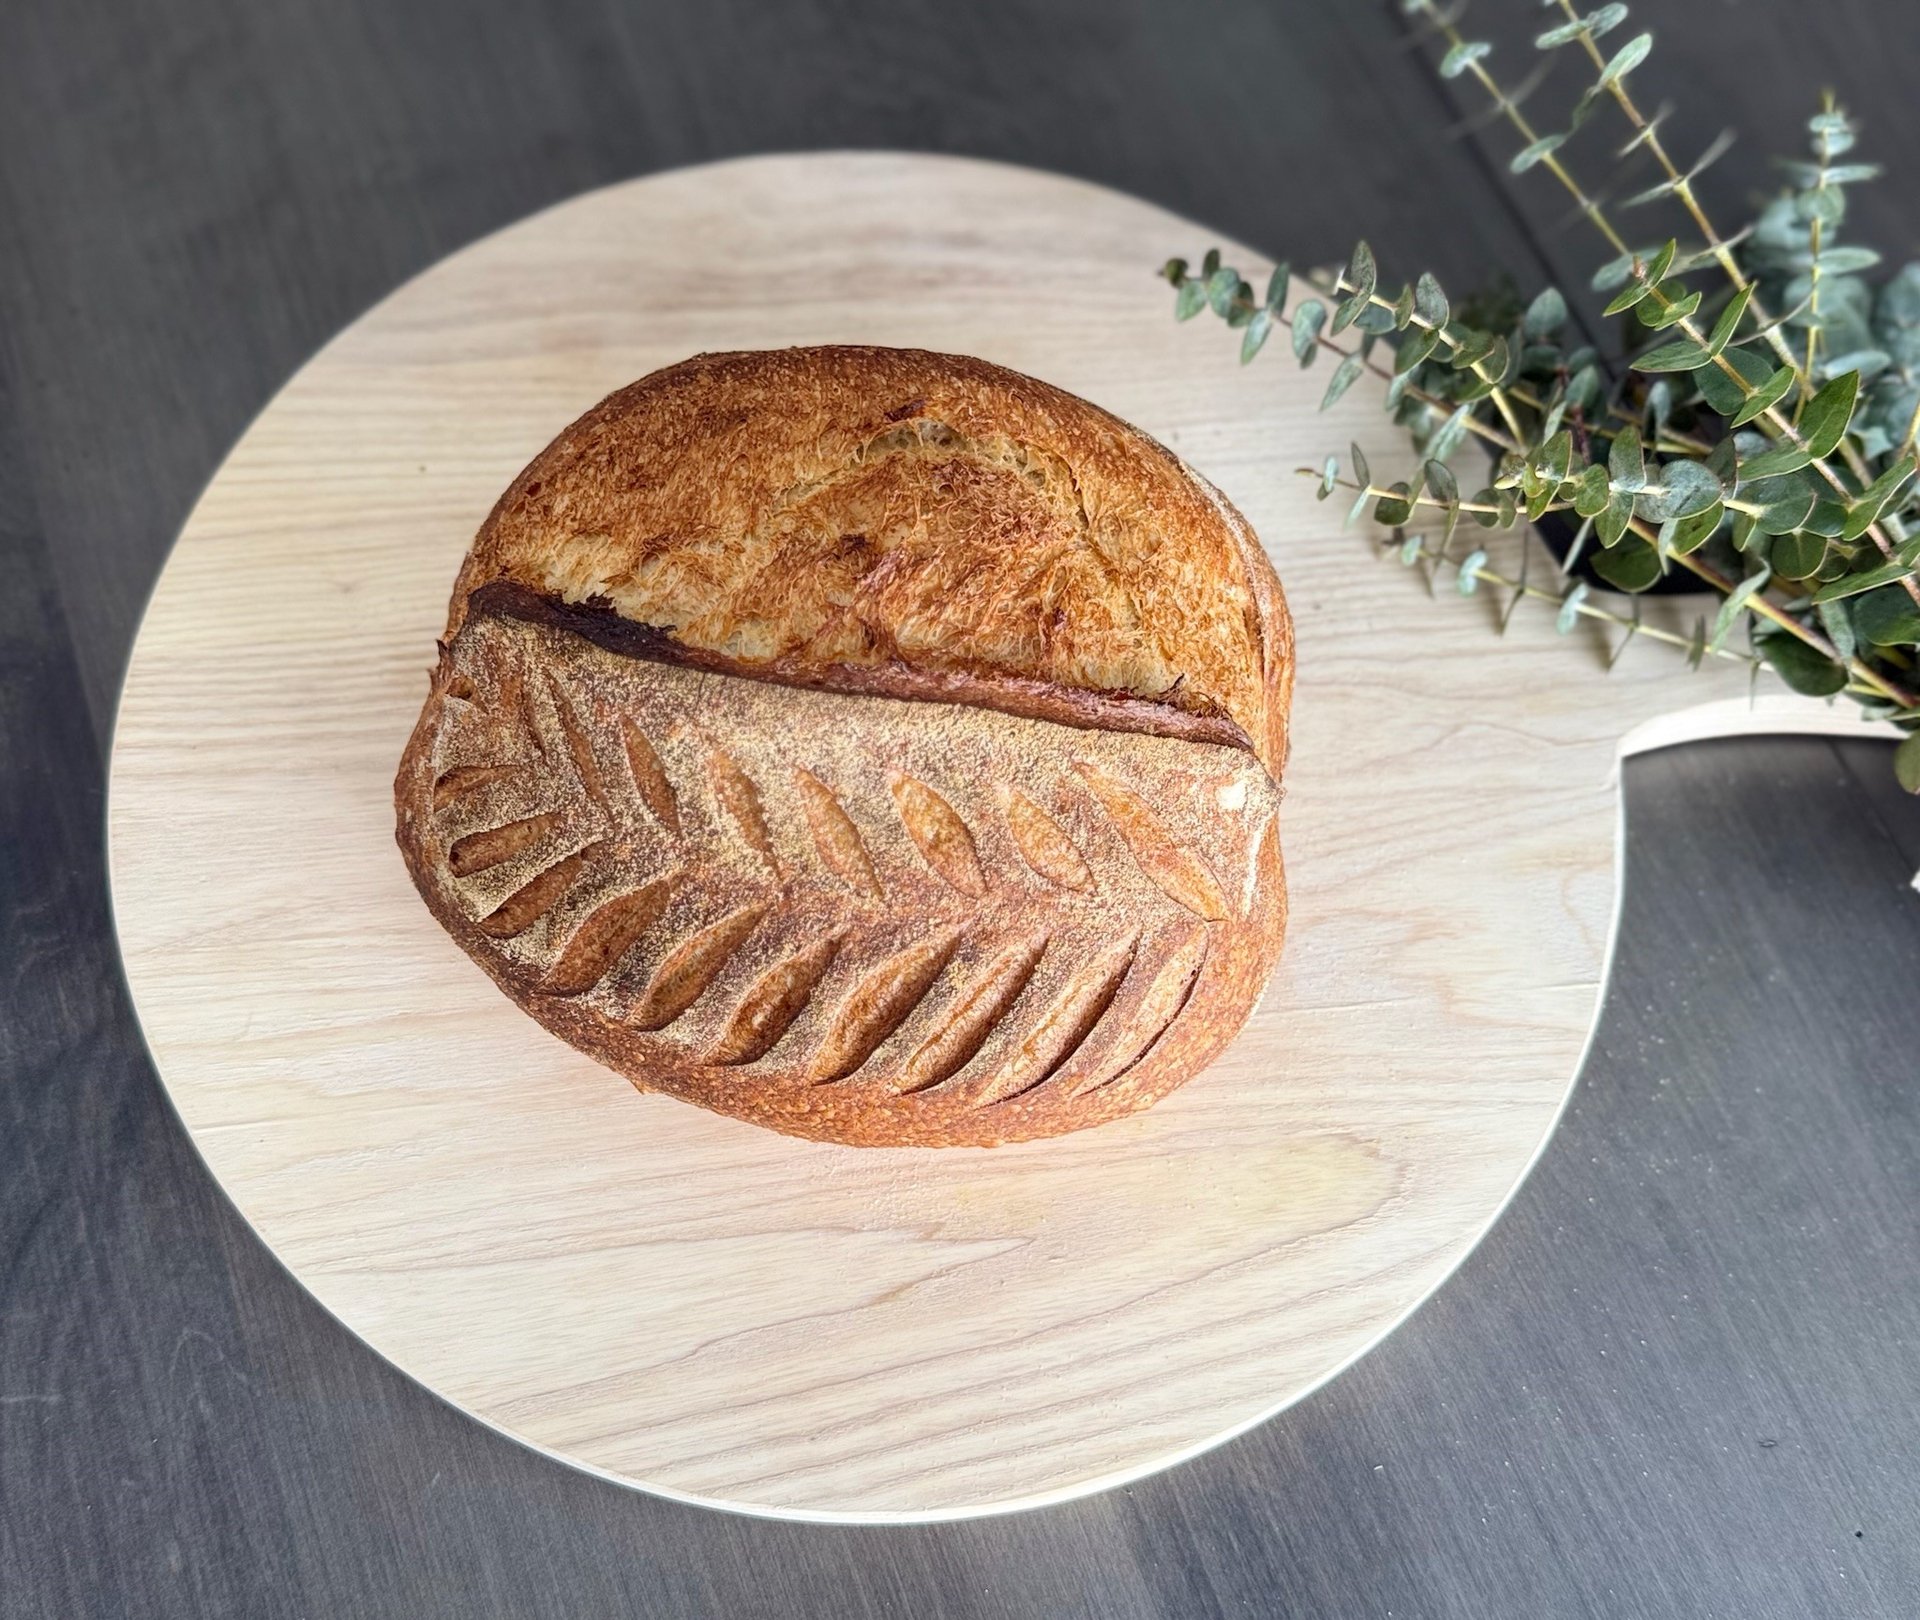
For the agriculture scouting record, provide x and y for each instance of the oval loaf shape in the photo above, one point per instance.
(876, 746)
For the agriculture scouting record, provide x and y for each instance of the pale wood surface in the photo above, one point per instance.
(708, 1310)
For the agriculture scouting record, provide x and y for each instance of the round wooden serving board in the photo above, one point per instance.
(711, 1311)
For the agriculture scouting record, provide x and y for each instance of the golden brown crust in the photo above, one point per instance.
(793, 510)
(875, 745)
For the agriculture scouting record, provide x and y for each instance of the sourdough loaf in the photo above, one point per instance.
(877, 745)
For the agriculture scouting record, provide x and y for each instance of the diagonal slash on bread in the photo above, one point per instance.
(878, 746)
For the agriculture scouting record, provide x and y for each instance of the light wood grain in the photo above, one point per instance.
(706, 1309)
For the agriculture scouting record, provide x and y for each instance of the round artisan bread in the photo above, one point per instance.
(875, 745)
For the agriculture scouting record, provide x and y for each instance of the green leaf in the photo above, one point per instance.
(1362, 473)
(1590, 494)
(1805, 669)
(1837, 621)
(1174, 270)
(1565, 34)
(1887, 617)
(1828, 517)
(1190, 300)
(1308, 318)
(1415, 348)
(1764, 394)
(1840, 261)
(1727, 394)
(1823, 424)
(1429, 302)
(1686, 355)
(1347, 312)
(1722, 332)
(1209, 264)
(1403, 310)
(1362, 274)
(1470, 566)
(1625, 60)
(1256, 334)
(1737, 599)
(1277, 288)
(1691, 532)
(1683, 488)
(1569, 614)
(1329, 476)
(1723, 461)
(1626, 464)
(1545, 315)
(1629, 568)
(1855, 584)
(1221, 286)
(1606, 19)
(1470, 348)
(1906, 764)
(1462, 57)
(1611, 524)
(1798, 555)
(1786, 503)
(1341, 380)
(1782, 458)
(1450, 433)
(1670, 308)
(1534, 151)
(1441, 481)
(1874, 499)
(1396, 506)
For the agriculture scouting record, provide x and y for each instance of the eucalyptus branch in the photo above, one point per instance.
(1786, 489)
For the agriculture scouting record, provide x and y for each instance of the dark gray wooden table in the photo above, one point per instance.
(1679, 1378)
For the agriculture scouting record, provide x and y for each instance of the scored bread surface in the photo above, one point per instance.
(875, 745)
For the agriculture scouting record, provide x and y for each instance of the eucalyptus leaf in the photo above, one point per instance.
(1837, 620)
(1362, 274)
(1728, 394)
(1590, 493)
(1362, 473)
(1221, 287)
(1534, 151)
(1277, 288)
(1764, 394)
(1686, 355)
(1669, 310)
(1737, 599)
(1855, 584)
(1886, 617)
(1823, 424)
(1415, 348)
(1806, 669)
(1441, 481)
(1612, 522)
(1342, 379)
(1797, 555)
(1629, 568)
(1190, 300)
(1256, 334)
(1462, 56)
(1569, 614)
(1906, 764)
(1470, 566)
(1782, 458)
(1545, 315)
(1875, 498)
(1308, 319)
(1447, 438)
(1683, 488)
(1690, 533)
(1729, 319)
(1429, 302)
(1626, 464)
(1785, 503)
(1626, 59)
